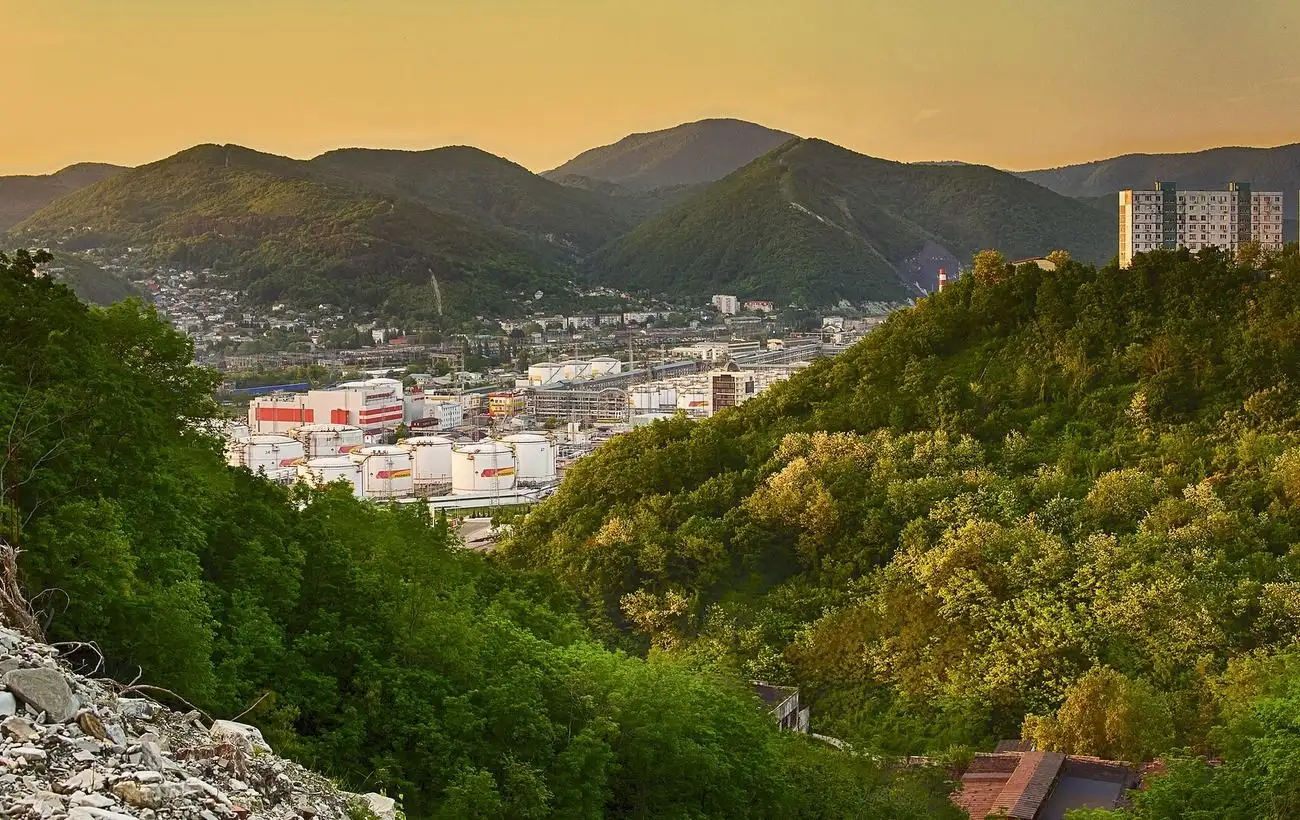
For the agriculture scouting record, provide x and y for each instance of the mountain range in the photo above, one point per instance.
(815, 223)
(22, 196)
(1266, 169)
(690, 210)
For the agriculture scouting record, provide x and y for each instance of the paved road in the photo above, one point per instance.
(477, 534)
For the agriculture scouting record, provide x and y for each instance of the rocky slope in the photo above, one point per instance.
(79, 748)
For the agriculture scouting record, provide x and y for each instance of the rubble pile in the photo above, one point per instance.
(72, 749)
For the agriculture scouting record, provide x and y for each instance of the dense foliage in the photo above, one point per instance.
(365, 642)
(1062, 504)
(815, 223)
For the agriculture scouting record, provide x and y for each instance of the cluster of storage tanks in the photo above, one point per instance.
(422, 466)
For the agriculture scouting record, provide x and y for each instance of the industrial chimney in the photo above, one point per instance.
(943, 279)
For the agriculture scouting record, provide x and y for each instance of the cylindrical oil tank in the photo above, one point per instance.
(534, 458)
(387, 471)
(430, 463)
(323, 440)
(264, 453)
(483, 467)
(693, 400)
(326, 470)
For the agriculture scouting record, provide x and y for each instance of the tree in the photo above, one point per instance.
(990, 267)
(1106, 714)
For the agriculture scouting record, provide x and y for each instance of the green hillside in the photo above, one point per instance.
(687, 154)
(815, 223)
(22, 196)
(1054, 505)
(482, 187)
(285, 234)
(634, 205)
(89, 281)
(358, 637)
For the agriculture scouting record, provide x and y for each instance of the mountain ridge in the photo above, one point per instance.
(659, 159)
(22, 195)
(286, 233)
(815, 223)
(1267, 169)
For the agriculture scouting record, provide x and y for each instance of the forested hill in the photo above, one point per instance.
(812, 222)
(687, 154)
(357, 637)
(21, 196)
(1063, 504)
(477, 185)
(1267, 169)
(286, 232)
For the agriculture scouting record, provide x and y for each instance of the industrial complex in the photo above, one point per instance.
(407, 442)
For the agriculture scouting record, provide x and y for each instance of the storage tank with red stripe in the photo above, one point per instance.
(264, 453)
(323, 440)
(431, 463)
(484, 467)
(326, 470)
(386, 470)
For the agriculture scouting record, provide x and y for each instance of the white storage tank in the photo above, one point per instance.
(326, 470)
(386, 471)
(430, 463)
(323, 440)
(482, 467)
(264, 453)
(534, 458)
(694, 400)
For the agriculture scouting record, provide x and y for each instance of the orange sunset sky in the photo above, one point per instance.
(1012, 83)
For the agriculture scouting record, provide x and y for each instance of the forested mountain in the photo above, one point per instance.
(633, 204)
(22, 196)
(285, 233)
(89, 281)
(480, 186)
(356, 636)
(1058, 505)
(815, 223)
(688, 154)
(1267, 169)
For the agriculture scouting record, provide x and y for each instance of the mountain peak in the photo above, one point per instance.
(688, 154)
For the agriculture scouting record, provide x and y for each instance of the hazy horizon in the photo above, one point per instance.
(1007, 84)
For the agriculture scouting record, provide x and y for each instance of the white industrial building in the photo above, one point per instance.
(543, 374)
(374, 405)
(1167, 217)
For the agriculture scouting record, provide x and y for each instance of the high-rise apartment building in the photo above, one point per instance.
(1169, 218)
(725, 304)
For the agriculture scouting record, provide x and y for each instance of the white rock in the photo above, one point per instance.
(94, 800)
(8, 704)
(29, 753)
(385, 808)
(239, 733)
(85, 780)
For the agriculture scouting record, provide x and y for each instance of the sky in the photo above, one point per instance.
(1017, 84)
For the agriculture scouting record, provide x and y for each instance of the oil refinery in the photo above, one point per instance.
(515, 469)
